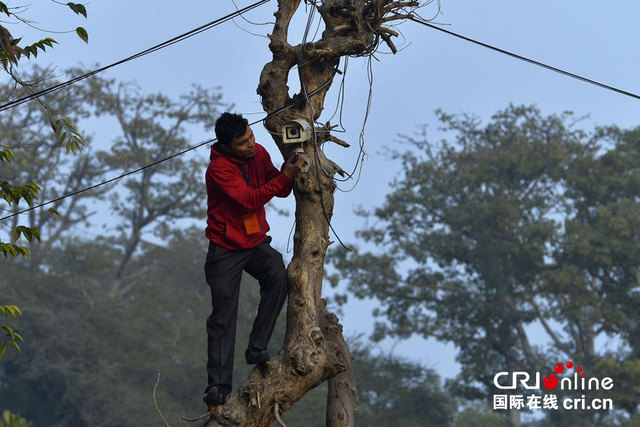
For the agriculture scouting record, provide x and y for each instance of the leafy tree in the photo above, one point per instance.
(11, 193)
(519, 221)
(74, 316)
(93, 360)
(152, 128)
(393, 391)
(40, 159)
(477, 414)
(31, 153)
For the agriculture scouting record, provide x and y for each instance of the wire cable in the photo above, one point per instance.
(361, 140)
(528, 60)
(100, 184)
(341, 94)
(152, 49)
(179, 153)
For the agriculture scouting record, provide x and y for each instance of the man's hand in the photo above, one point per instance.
(293, 165)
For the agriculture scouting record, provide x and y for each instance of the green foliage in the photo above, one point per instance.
(6, 58)
(396, 392)
(41, 160)
(64, 130)
(517, 222)
(67, 134)
(10, 310)
(82, 33)
(78, 8)
(9, 337)
(32, 50)
(13, 420)
(4, 9)
(626, 375)
(13, 194)
(28, 233)
(6, 156)
(14, 250)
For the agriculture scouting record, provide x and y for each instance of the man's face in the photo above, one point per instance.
(244, 146)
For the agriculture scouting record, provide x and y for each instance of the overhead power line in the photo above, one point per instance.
(109, 181)
(525, 59)
(278, 111)
(152, 49)
(140, 169)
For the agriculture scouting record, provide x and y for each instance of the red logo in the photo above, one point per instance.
(551, 381)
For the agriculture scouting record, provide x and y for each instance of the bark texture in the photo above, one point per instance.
(314, 350)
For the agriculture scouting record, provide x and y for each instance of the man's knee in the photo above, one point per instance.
(276, 271)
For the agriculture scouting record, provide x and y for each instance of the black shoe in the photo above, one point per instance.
(255, 356)
(214, 396)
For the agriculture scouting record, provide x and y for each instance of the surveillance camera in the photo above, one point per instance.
(292, 132)
(296, 131)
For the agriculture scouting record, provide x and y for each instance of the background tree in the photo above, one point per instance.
(41, 159)
(152, 128)
(393, 391)
(520, 221)
(93, 360)
(13, 193)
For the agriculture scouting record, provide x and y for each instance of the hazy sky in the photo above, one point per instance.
(434, 70)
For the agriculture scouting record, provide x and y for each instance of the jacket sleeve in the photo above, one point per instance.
(272, 173)
(229, 180)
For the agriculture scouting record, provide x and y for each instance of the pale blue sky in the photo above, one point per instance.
(595, 39)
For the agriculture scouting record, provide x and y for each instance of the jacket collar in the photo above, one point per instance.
(219, 149)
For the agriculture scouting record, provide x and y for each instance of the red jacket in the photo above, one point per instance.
(237, 190)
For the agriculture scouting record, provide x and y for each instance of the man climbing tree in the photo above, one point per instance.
(314, 349)
(240, 180)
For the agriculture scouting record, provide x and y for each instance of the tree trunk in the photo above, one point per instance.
(314, 350)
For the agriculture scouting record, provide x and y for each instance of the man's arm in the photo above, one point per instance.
(270, 171)
(291, 167)
(229, 180)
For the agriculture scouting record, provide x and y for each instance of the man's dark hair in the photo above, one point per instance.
(229, 126)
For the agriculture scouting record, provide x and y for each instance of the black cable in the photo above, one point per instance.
(361, 142)
(341, 94)
(186, 150)
(159, 46)
(525, 59)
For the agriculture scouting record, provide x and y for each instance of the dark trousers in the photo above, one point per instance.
(223, 270)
